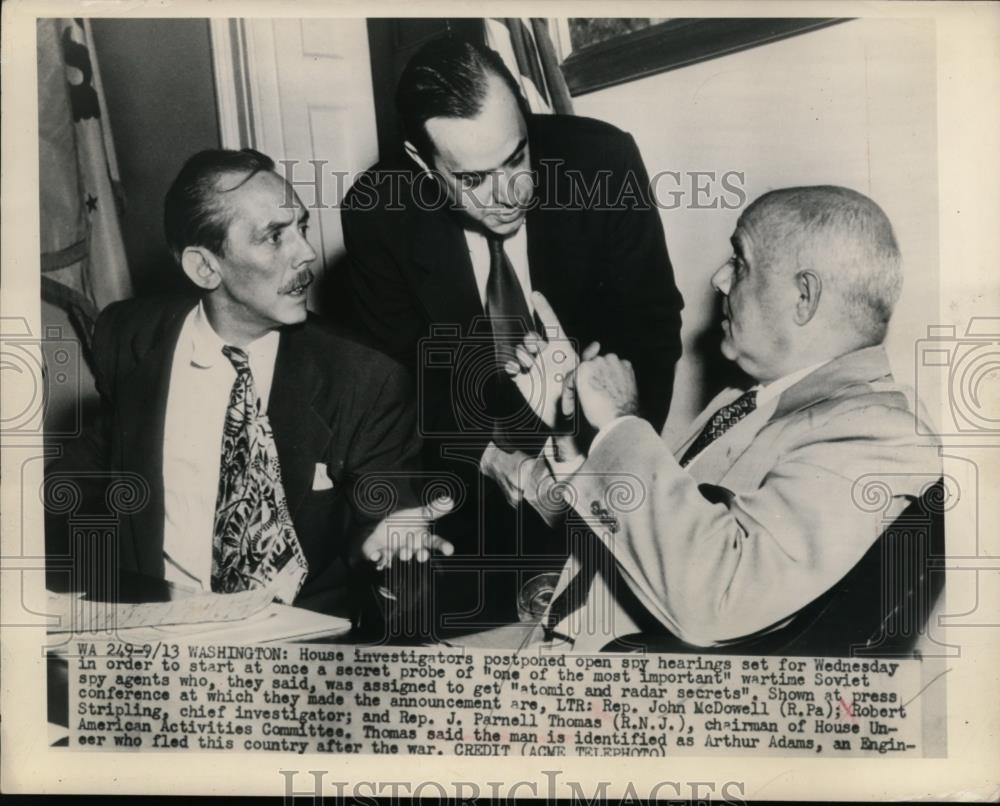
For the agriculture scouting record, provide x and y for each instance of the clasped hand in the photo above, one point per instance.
(551, 376)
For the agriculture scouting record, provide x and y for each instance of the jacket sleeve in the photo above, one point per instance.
(384, 453)
(639, 300)
(386, 477)
(719, 569)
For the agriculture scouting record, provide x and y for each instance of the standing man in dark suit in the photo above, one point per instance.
(260, 433)
(447, 243)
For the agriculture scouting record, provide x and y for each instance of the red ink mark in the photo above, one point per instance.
(846, 709)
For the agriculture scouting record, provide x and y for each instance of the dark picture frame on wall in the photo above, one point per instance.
(644, 50)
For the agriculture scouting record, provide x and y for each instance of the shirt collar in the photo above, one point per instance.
(477, 239)
(775, 388)
(206, 344)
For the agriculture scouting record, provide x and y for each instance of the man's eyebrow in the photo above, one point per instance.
(280, 224)
(517, 150)
(521, 144)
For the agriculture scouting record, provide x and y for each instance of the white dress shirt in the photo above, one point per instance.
(516, 248)
(201, 379)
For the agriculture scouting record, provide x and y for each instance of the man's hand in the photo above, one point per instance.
(607, 389)
(407, 534)
(505, 469)
(544, 363)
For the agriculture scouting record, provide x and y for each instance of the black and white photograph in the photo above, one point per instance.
(540, 388)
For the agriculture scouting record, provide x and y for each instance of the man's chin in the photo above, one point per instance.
(295, 316)
(501, 227)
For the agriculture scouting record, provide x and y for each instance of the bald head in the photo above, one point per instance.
(815, 274)
(845, 238)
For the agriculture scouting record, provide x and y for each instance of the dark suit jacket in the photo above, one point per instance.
(601, 263)
(333, 402)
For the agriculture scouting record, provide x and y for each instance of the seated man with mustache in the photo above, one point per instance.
(723, 537)
(257, 429)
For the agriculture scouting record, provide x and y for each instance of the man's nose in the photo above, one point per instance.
(507, 190)
(723, 277)
(306, 253)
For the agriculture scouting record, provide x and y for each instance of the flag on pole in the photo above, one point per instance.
(526, 48)
(83, 260)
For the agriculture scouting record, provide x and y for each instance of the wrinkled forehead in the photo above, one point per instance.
(766, 228)
(261, 198)
(482, 142)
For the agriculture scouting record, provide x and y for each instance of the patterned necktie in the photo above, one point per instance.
(254, 542)
(720, 422)
(509, 314)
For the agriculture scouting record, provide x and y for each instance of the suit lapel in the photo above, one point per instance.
(724, 398)
(300, 434)
(718, 458)
(540, 237)
(445, 281)
(548, 240)
(143, 406)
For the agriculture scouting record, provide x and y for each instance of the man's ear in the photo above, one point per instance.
(810, 288)
(201, 267)
(411, 151)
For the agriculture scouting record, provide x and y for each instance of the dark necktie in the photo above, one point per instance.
(254, 542)
(514, 424)
(720, 422)
(506, 307)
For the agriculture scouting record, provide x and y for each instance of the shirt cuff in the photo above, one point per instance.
(560, 470)
(608, 427)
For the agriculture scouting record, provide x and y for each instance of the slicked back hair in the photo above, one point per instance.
(195, 212)
(447, 78)
(846, 238)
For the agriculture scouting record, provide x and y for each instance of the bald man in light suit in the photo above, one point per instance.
(728, 533)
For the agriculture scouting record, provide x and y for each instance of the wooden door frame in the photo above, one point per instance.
(246, 88)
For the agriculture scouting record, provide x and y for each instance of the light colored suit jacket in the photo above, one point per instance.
(769, 517)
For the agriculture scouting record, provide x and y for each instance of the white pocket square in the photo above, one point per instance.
(321, 479)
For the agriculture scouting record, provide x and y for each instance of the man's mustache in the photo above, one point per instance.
(302, 279)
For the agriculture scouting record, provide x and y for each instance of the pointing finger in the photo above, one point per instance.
(547, 315)
(442, 546)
